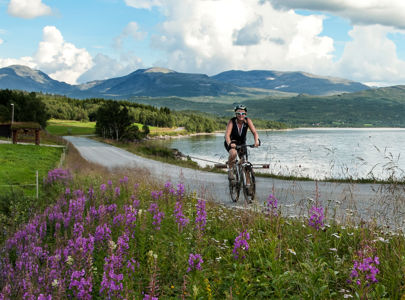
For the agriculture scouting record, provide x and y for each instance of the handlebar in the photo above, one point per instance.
(245, 146)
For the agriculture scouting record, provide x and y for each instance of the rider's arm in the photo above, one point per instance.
(228, 132)
(254, 132)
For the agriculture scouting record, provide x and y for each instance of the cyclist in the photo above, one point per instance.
(235, 134)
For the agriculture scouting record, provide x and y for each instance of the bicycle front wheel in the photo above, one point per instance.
(249, 184)
(234, 186)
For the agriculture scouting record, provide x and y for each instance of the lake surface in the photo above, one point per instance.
(318, 153)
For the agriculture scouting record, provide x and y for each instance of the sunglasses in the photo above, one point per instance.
(241, 113)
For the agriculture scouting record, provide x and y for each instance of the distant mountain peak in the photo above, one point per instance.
(25, 71)
(159, 70)
(163, 82)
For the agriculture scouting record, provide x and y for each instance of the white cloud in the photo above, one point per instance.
(105, 67)
(371, 57)
(28, 9)
(145, 4)
(131, 30)
(203, 36)
(59, 59)
(360, 12)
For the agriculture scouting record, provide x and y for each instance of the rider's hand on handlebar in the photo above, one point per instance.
(257, 144)
(232, 145)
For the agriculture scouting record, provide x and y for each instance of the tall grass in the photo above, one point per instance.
(112, 237)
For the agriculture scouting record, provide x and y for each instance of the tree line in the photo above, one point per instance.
(114, 119)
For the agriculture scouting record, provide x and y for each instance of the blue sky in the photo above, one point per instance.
(360, 40)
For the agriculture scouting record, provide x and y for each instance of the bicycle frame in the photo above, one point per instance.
(243, 170)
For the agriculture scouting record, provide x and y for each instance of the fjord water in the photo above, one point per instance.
(318, 153)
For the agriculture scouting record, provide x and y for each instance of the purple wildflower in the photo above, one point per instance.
(180, 191)
(156, 195)
(103, 232)
(124, 180)
(111, 284)
(365, 270)
(90, 193)
(103, 187)
(130, 215)
(316, 218)
(181, 220)
(58, 175)
(81, 286)
(271, 206)
(117, 191)
(201, 219)
(135, 202)
(148, 297)
(157, 215)
(241, 245)
(194, 262)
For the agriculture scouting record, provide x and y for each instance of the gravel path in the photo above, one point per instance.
(346, 201)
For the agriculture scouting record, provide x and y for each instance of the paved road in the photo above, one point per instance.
(346, 201)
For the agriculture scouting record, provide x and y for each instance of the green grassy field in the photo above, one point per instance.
(69, 127)
(19, 163)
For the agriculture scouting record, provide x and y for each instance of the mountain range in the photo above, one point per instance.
(160, 82)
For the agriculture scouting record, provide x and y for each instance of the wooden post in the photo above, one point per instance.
(37, 137)
(37, 183)
(15, 138)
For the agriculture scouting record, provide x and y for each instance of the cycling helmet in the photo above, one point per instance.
(240, 106)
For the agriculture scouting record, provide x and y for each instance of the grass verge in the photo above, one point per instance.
(20, 162)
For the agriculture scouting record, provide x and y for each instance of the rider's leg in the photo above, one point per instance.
(231, 163)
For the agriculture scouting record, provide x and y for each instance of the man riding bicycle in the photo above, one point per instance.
(235, 134)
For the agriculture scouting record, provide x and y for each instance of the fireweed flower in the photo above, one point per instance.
(111, 284)
(81, 286)
(180, 191)
(241, 245)
(103, 233)
(148, 297)
(316, 218)
(201, 219)
(124, 180)
(130, 216)
(117, 191)
(365, 271)
(194, 262)
(157, 215)
(90, 193)
(181, 220)
(58, 175)
(169, 188)
(271, 206)
(103, 187)
(135, 202)
(156, 194)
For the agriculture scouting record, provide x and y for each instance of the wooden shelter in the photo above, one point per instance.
(25, 129)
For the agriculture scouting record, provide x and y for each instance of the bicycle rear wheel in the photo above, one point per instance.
(234, 186)
(249, 184)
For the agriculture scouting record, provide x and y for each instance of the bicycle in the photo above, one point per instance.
(244, 176)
